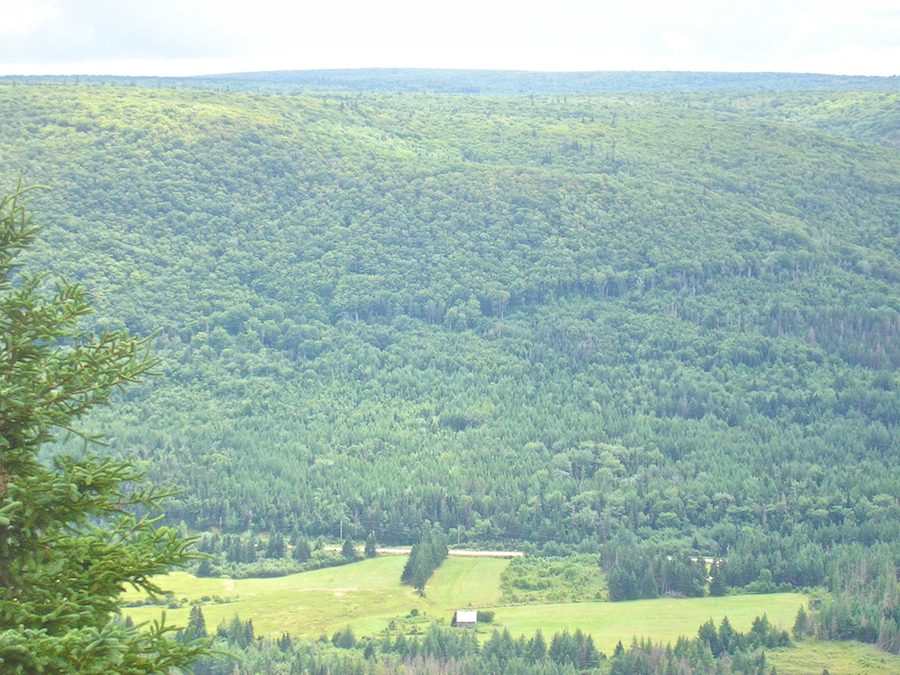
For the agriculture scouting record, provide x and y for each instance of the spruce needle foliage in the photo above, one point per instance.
(75, 533)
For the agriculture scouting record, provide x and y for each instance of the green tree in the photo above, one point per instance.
(537, 647)
(301, 551)
(344, 638)
(197, 622)
(801, 624)
(72, 534)
(370, 545)
(717, 586)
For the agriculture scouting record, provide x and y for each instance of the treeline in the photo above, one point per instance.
(633, 575)
(862, 601)
(449, 81)
(249, 555)
(441, 650)
(424, 558)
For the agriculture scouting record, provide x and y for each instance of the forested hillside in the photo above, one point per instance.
(570, 319)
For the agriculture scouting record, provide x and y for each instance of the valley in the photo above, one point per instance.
(648, 339)
(368, 597)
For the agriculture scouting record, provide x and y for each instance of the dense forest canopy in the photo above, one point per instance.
(632, 319)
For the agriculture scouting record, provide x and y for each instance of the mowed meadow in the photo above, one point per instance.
(368, 597)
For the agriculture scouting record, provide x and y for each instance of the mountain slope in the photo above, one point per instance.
(545, 319)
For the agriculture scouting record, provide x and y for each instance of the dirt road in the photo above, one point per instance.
(459, 552)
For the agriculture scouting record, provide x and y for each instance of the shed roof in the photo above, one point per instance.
(466, 617)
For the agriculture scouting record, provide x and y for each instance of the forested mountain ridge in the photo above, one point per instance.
(494, 82)
(570, 319)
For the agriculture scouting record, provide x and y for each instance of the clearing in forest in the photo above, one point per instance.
(368, 596)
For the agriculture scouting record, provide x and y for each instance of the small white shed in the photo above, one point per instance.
(465, 619)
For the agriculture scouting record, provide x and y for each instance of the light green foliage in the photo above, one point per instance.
(74, 534)
(533, 579)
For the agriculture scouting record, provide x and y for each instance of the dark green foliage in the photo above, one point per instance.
(801, 624)
(197, 623)
(348, 550)
(576, 650)
(485, 616)
(275, 547)
(542, 329)
(205, 569)
(237, 633)
(635, 572)
(301, 552)
(370, 551)
(234, 556)
(344, 638)
(424, 558)
(717, 586)
(443, 650)
(75, 531)
(537, 647)
(863, 602)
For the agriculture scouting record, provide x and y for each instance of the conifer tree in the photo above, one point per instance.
(370, 546)
(197, 622)
(73, 533)
(301, 550)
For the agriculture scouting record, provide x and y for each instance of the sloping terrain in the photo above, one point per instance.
(570, 319)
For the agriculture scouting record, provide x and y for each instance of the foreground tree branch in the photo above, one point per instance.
(72, 535)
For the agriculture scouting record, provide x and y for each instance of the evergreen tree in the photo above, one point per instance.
(407, 574)
(344, 638)
(370, 545)
(717, 586)
(275, 546)
(250, 550)
(75, 533)
(301, 551)
(801, 624)
(197, 623)
(537, 647)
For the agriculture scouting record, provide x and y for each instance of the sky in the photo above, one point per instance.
(197, 37)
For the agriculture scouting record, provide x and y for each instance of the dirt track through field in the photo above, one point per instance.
(463, 553)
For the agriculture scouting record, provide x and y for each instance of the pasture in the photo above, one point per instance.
(662, 620)
(368, 596)
(812, 657)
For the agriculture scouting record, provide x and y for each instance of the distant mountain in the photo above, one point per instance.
(424, 80)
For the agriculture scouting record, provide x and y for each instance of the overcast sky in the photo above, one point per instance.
(193, 37)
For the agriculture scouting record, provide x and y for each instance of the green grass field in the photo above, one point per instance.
(811, 657)
(663, 620)
(368, 596)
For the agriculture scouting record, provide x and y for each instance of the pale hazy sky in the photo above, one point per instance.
(192, 37)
